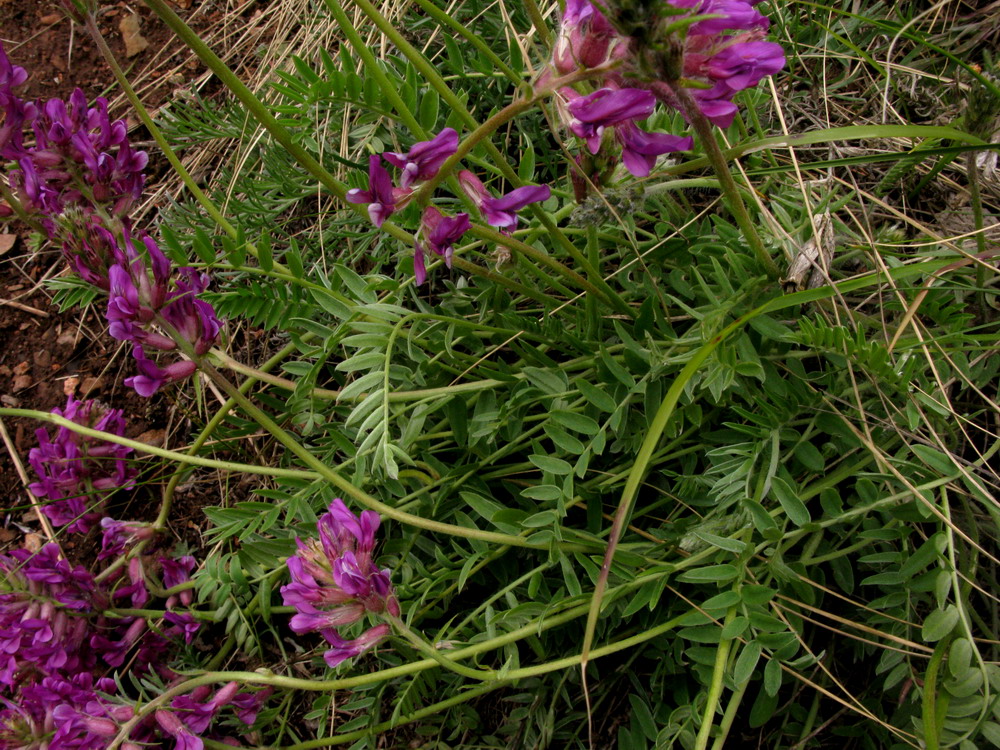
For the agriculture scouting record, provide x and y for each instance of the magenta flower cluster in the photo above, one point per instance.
(78, 179)
(58, 639)
(76, 473)
(720, 52)
(335, 583)
(437, 233)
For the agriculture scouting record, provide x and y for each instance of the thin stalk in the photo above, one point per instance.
(531, 7)
(161, 141)
(483, 675)
(730, 716)
(474, 39)
(715, 688)
(706, 135)
(326, 394)
(593, 255)
(435, 709)
(972, 171)
(360, 496)
(231, 466)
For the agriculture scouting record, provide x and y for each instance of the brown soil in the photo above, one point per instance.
(44, 354)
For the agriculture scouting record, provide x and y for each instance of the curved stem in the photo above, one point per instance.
(715, 689)
(706, 135)
(487, 675)
(43, 416)
(264, 677)
(362, 497)
(161, 141)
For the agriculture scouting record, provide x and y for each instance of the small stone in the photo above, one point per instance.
(21, 382)
(69, 385)
(33, 542)
(7, 241)
(10, 401)
(156, 438)
(50, 18)
(91, 385)
(134, 41)
(22, 367)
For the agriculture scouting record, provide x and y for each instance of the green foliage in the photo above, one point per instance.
(817, 520)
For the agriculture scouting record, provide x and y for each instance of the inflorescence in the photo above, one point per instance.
(77, 178)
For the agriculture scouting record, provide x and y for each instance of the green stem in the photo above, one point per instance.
(706, 135)
(730, 716)
(362, 497)
(246, 96)
(531, 7)
(972, 170)
(435, 709)
(231, 466)
(428, 650)
(929, 707)
(446, 20)
(715, 688)
(154, 131)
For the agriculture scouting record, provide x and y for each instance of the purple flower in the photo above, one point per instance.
(248, 705)
(501, 212)
(440, 233)
(591, 115)
(196, 712)
(175, 572)
(173, 726)
(733, 15)
(640, 149)
(343, 649)
(117, 535)
(334, 581)
(586, 38)
(424, 159)
(136, 591)
(192, 318)
(380, 196)
(73, 469)
(42, 613)
(742, 65)
(151, 377)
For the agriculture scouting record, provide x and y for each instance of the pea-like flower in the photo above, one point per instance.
(380, 195)
(335, 582)
(501, 212)
(437, 234)
(592, 114)
(76, 472)
(424, 159)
